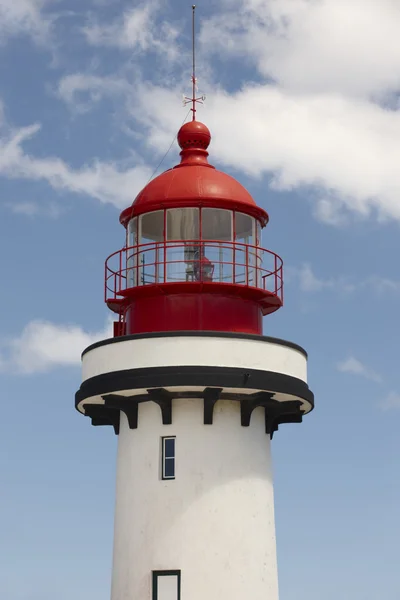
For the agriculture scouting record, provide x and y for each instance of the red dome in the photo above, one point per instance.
(194, 182)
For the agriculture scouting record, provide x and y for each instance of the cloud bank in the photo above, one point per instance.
(108, 182)
(320, 113)
(26, 17)
(43, 346)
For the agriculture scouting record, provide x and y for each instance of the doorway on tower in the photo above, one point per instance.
(166, 585)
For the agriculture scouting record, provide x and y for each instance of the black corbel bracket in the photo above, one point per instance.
(250, 402)
(282, 412)
(210, 397)
(126, 404)
(275, 412)
(102, 415)
(164, 400)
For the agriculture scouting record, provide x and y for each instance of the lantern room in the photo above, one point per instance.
(193, 258)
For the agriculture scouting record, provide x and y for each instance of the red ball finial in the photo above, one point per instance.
(194, 135)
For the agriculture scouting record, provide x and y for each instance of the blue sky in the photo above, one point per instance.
(302, 102)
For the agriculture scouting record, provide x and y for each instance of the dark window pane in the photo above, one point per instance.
(169, 467)
(152, 227)
(169, 448)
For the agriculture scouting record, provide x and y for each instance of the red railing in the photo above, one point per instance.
(188, 261)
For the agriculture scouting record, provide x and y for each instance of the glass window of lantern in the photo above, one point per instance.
(182, 255)
(244, 229)
(131, 253)
(132, 238)
(217, 246)
(150, 255)
(259, 256)
(151, 227)
(245, 255)
(216, 224)
(183, 224)
(258, 233)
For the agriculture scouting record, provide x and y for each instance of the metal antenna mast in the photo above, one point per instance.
(194, 61)
(193, 100)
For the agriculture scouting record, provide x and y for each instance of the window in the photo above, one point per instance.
(183, 224)
(168, 458)
(166, 585)
(150, 258)
(216, 224)
(132, 232)
(245, 253)
(152, 227)
(131, 256)
(217, 227)
(244, 228)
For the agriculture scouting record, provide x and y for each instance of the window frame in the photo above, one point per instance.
(164, 458)
(169, 573)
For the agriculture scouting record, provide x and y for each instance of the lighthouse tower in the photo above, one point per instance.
(193, 389)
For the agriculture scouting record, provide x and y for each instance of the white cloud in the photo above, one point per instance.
(28, 208)
(355, 367)
(108, 182)
(80, 90)
(310, 282)
(330, 211)
(313, 46)
(138, 30)
(391, 402)
(318, 128)
(24, 17)
(43, 346)
(345, 149)
(381, 285)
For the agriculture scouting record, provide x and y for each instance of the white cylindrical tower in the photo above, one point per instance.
(193, 388)
(211, 521)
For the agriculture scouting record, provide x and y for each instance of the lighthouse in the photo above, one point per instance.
(192, 387)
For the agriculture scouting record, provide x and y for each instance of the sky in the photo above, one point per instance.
(302, 100)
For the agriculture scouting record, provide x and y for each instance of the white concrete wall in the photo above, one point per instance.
(214, 522)
(200, 351)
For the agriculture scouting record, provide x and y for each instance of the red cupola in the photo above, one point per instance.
(193, 259)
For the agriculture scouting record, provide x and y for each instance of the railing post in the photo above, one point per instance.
(256, 256)
(105, 281)
(275, 275)
(234, 262)
(137, 264)
(201, 263)
(120, 270)
(157, 263)
(165, 259)
(247, 265)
